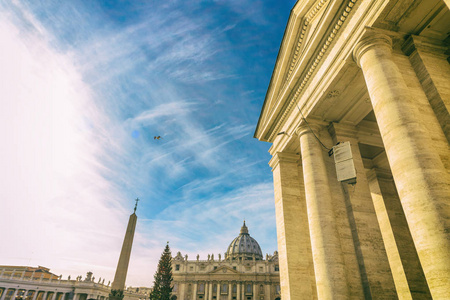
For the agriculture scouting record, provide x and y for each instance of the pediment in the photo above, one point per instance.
(308, 27)
(224, 270)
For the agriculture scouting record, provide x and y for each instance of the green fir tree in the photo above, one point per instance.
(162, 285)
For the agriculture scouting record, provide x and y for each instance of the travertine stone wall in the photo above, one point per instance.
(420, 176)
(408, 275)
(375, 271)
(292, 229)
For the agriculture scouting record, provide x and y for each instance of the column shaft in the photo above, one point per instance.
(295, 258)
(326, 249)
(421, 179)
(210, 290)
(4, 294)
(230, 290)
(194, 292)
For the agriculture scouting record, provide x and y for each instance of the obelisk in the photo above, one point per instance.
(118, 284)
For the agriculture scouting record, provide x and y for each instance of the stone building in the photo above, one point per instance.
(376, 74)
(30, 283)
(242, 274)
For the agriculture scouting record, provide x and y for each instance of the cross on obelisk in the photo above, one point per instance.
(118, 284)
(137, 200)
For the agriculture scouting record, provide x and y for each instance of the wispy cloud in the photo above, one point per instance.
(85, 88)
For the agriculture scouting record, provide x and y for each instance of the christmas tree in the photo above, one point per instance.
(162, 285)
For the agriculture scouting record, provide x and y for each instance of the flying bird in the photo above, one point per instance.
(157, 137)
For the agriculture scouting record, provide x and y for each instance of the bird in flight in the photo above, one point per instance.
(158, 137)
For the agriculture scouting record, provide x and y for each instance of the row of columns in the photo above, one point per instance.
(422, 181)
(307, 208)
(35, 294)
(240, 290)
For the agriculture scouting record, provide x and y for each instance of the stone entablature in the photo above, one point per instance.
(206, 266)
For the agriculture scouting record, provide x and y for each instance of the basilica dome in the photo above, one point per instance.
(244, 247)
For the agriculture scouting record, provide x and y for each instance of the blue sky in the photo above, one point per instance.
(86, 85)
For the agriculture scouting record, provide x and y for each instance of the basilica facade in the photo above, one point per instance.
(241, 274)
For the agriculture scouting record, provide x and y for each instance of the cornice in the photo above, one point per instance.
(313, 65)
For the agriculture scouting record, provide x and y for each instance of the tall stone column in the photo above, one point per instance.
(421, 179)
(238, 291)
(292, 228)
(326, 248)
(230, 290)
(210, 290)
(206, 290)
(376, 275)
(194, 292)
(4, 294)
(15, 294)
(267, 291)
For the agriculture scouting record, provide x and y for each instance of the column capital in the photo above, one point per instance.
(373, 40)
(308, 128)
(283, 157)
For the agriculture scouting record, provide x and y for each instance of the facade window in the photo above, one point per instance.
(234, 288)
(201, 287)
(234, 268)
(177, 267)
(277, 288)
(190, 287)
(215, 288)
(261, 269)
(277, 268)
(191, 268)
(224, 288)
(175, 287)
(215, 268)
(261, 289)
(249, 288)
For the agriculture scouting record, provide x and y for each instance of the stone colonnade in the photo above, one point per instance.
(23, 287)
(38, 294)
(229, 289)
(385, 237)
